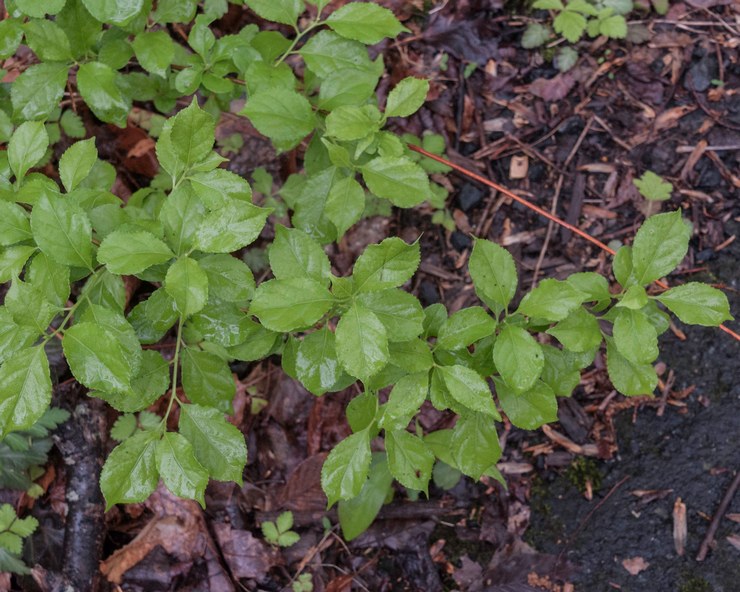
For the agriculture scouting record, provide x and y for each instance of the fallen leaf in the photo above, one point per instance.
(635, 565)
(246, 556)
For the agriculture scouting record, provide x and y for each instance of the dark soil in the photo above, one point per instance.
(693, 454)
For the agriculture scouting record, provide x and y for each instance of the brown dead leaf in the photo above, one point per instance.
(340, 584)
(246, 556)
(553, 89)
(635, 565)
(302, 490)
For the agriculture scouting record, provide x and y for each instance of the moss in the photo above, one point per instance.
(694, 584)
(582, 471)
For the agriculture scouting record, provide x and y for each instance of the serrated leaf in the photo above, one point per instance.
(626, 376)
(115, 12)
(474, 445)
(193, 134)
(207, 379)
(155, 51)
(218, 187)
(365, 22)
(181, 215)
(570, 25)
(405, 400)
(635, 336)
(578, 332)
(356, 514)
(346, 468)
(614, 26)
(561, 372)
(229, 279)
(278, 11)
(282, 115)
(14, 224)
(25, 389)
(38, 90)
(653, 187)
(409, 460)
(386, 265)
(518, 358)
(126, 252)
(697, 304)
(47, 40)
(150, 383)
(123, 332)
(294, 254)
(97, 85)
(326, 53)
(96, 358)
(11, 34)
(494, 276)
(218, 445)
(290, 304)
(468, 388)
(27, 147)
(231, 227)
(397, 179)
(187, 283)
(551, 300)
(28, 305)
(77, 162)
(535, 35)
(316, 363)
(12, 261)
(411, 356)
(529, 409)
(345, 203)
(659, 246)
(400, 312)
(464, 328)
(180, 471)
(407, 97)
(634, 297)
(63, 231)
(351, 122)
(123, 428)
(362, 343)
(13, 336)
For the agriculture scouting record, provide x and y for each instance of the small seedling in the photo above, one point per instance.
(653, 187)
(278, 533)
(304, 583)
(12, 532)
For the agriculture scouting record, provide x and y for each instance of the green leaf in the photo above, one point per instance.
(25, 389)
(697, 304)
(123, 428)
(218, 445)
(181, 215)
(409, 460)
(362, 343)
(464, 328)
(192, 135)
(229, 279)
(130, 472)
(175, 11)
(345, 203)
(294, 254)
(50, 278)
(397, 179)
(316, 363)
(282, 115)
(407, 97)
(278, 11)
(358, 513)
(551, 300)
(622, 266)
(635, 336)
(14, 224)
(47, 40)
(594, 285)
(405, 400)
(290, 304)
(63, 231)
(187, 283)
(114, 12)
(28, 305)
(628, 377)
(659, 246)
(27, 147)
(400, 312)
(231, 227)
(529, 409)
(180, 471)
(570, 25)
(223, 323)
(518, 358)
(548, 5)
(38, 90)
(326, 53)
(469, 389)
(352, 122)
(11, 34)
(614, 27)
(561, 372)
(120, 328)
(155, 51)
(474, 445)
(150, 383)
(346, 468)
(105, 289)
(578, 332)
(386, 265)
(653, 187)
(81, 28)
(218, 187)
(493, 272)
(77, 162)
(207, 379)
(411, 356)
(97, 85)
(634, 297)
(13, 336)
(565, 58)
(535, 35)
(346, 87)
(361, 411)
(96, 358)
(127, 252)
(365, 22)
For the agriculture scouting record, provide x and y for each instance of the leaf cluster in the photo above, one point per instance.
(12, 532)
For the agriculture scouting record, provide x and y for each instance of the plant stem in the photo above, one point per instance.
(299, 36)
(175, 367)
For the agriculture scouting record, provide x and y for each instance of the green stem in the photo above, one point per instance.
(70, 313)
(175, 368)
(299, 36)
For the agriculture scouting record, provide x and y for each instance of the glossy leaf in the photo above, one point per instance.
(406, 97)
(126, 252)
(386, 265)
(635, 336)
(130, 473)
(397, 179)
(77, 162)
(474, 445)
(192, 134)
(529, 409)
(294, 254)
(278, 11)
(365, 22)
(405, 400)
(38, 90)
(180, 471)
(231, 227)
(155, 51)
(659, 246)
(494, 276)
(551, 300)
(316, 363)
(187, 283)
(282, 115)
(96, 358)
(400, 312)
(25, 389)
(14, 224)
(409, 460)
(27, 147)
(290, 304)
(358, 513)
(63, 231)
(362, 343)
(97, 85)
(518, 358)
(464, 328)
(229, 279)
(469, 389)
(115, 12)
(628, 377)
(346, 468)
(578, 332)
(697, 304)
(207, 379)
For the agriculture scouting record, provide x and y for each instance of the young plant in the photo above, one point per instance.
(279, 533)
(12, 532)
(653, 187)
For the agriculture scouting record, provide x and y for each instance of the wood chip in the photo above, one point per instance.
(680, 529)
(519, 167)
(635, 565)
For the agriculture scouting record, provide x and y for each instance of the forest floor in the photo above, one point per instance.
(591, 503)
